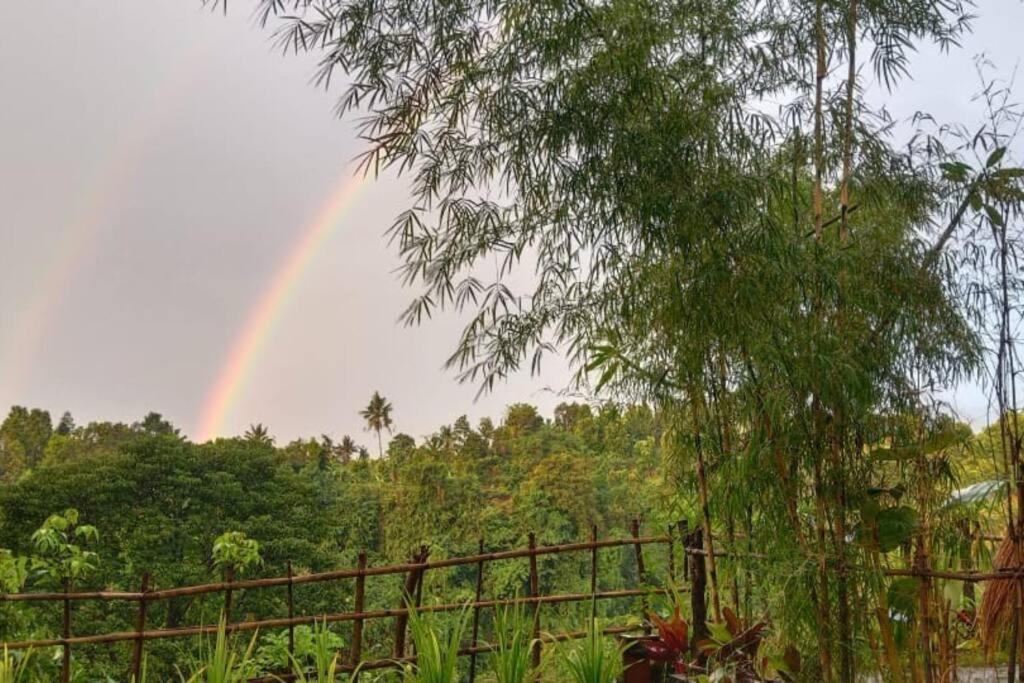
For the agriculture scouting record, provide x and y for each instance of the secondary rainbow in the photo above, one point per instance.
(259, 324)
(78, 241)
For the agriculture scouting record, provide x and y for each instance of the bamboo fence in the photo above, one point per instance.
(413, 571)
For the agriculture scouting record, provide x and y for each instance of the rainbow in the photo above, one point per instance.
(267, 310)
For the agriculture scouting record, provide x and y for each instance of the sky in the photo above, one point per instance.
(180, 231)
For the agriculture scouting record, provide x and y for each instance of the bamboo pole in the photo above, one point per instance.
(476, 615)
(408, 594)
(698, 587)
(229, 578)
(593, 574)
(323, 577)
(291, 612)
(356, 652)
(641, 571)
(140, 628)
(65, 667)
(534, 593)
(283, 622)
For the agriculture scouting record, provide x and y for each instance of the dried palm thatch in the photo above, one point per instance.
(995, 616)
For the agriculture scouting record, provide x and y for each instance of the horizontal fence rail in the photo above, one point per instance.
(413, 571)
(693, 556)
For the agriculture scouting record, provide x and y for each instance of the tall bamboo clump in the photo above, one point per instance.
(782, 285)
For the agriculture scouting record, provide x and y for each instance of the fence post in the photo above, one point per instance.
(356, 653)
(476, 615)
(535, 593)
(924, 609)
(140, 627)
(409, 591)
(291, 612)
(698, 586)
(229, 577)
(593, 574)
(672, 557)
(684, 534)
(641, 572)
(65, 669)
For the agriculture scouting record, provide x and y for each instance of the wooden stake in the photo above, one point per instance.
(641, 572)
(140, 627)
(476, 615)
(291, 611)
(65, 669)
(229, 578)
(698, 588)
(593, 573)
(356, 653)
(534, 592)
(408, 593)
(671, 557)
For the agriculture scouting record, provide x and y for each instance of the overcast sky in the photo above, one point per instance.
(157, 162)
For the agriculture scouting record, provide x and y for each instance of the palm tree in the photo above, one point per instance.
(259, 434)
(378, 416)
(346, 449)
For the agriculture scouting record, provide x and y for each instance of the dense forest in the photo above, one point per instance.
(158, 503)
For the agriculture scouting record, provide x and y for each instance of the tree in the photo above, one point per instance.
(259, 435)
(23, 438)
(155, 424)
(346, 448)
(779, 285)
(66, 425)
(378, 418)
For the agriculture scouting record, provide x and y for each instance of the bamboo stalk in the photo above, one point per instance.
(291, 611)
(65, 667)
(321, 577)
(476, 615)
(356, 651)
(140, 627)
(534, 593)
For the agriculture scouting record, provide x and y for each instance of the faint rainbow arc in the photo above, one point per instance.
(268, 308)
(78, 240)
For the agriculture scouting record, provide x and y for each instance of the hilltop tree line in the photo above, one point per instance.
(158, 504)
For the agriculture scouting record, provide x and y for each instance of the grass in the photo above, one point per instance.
(593, 659)
(437, 650)
(14, 669)
(511, 650)
(325, 658)
(222, 663)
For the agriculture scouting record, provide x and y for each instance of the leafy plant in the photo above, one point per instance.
(510, 652)
(222, 663)
(14, 669)
(59, 546)
(437, 651)
(733, 646)
(593, 659)
(325, 657)
(673, 643)
(233, 551)
(13, 571)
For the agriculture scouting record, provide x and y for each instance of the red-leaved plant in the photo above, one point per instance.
(673, 643)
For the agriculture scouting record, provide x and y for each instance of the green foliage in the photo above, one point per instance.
(13, 571)
(437, 647)
(14, 668)
(221, 661)
(233, 551)
(60, 555)
(593, 659)
(510, 653)
(324, 653)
